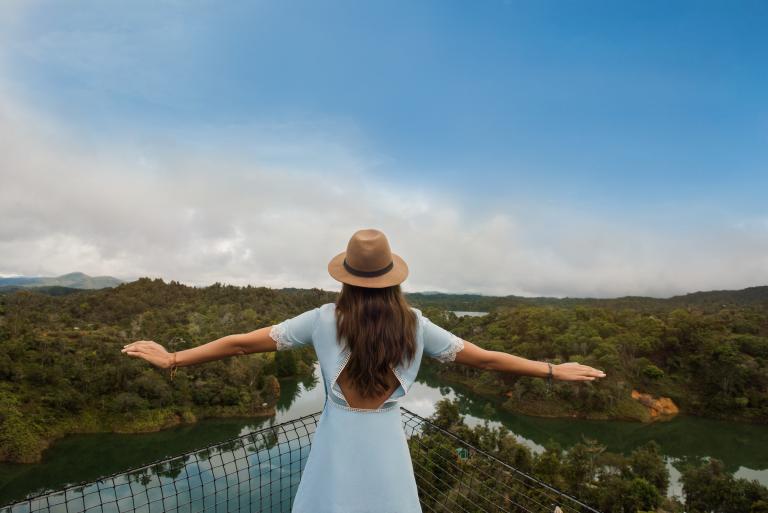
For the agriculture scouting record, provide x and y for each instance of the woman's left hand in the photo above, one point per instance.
(574, 371)
(150, 351)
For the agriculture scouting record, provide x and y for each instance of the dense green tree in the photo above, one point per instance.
(454, 476)
(60, 357)
(710, 362)
(709, 489)
(285, 363)
(646, 462)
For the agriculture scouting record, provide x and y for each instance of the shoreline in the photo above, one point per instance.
(148, 421)
(630, 410)
(92, 421)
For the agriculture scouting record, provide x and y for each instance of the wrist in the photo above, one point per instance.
(171, 360)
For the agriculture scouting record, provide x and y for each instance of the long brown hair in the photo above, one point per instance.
(379, 329)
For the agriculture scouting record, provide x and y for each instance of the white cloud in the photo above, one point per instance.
(200, 216)
(270, 205)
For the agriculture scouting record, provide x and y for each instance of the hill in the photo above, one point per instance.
(76, 280)
(709, 301)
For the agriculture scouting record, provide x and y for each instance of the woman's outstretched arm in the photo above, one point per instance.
(257, 341)
(475, 356)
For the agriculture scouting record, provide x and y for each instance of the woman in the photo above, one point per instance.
(370, 343)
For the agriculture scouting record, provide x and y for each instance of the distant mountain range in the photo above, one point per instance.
(71, 280)
(709, 300)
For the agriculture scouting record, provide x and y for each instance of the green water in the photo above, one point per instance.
(78, 458)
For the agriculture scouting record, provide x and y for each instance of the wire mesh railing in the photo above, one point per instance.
(261, 470)
(454, 476)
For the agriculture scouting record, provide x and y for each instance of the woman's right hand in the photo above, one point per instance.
(574, 371)
(150, 351)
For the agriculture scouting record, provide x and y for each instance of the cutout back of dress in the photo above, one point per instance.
(361, 403)
(355, 400)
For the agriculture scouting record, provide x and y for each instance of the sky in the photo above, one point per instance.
(534, 148)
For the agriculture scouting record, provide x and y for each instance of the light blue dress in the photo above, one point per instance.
(359, 460)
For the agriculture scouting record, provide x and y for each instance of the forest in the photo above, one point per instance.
(61, 370)
(710, 361)
(606, 481)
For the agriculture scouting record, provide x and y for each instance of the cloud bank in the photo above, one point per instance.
(205, 214)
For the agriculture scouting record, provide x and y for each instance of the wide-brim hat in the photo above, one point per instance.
(368, 262)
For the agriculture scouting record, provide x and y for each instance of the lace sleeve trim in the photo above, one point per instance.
(449, 355)
(280, 337)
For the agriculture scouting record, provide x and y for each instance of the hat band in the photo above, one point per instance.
(368, 274)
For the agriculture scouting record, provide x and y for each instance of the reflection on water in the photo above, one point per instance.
(736, 444)
(742, 447)
(256, 473)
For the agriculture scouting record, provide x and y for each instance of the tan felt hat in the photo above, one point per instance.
(368, 262)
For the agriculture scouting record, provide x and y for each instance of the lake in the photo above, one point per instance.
(84, 457)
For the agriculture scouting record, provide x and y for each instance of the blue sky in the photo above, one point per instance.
(562, 117)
